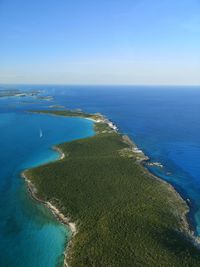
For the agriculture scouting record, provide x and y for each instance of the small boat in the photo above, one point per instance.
(41, 134)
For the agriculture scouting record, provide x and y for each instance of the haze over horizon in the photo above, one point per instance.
(100, 42)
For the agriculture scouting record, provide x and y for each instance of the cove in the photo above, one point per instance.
(30, 235)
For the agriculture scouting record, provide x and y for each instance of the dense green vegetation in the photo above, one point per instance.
(125, 217)
(70, 113)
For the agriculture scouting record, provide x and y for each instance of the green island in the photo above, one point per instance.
(71, 113)
(124, 216)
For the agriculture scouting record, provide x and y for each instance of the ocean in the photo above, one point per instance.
(163, 121)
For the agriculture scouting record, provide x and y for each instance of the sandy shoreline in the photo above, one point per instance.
(62, 155)
(185, 229)
(55, 211)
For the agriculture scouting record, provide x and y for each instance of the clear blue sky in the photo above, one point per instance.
(100, 42)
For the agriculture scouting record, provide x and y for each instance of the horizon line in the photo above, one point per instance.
(78, 84)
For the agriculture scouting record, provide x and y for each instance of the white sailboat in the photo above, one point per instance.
(41, 133)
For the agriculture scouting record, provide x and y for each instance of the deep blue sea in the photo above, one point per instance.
(163, 121)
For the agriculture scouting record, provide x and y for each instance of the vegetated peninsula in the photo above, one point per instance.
(123, 215)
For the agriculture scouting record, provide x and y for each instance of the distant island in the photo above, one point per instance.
(119, 213)
(21, 93)
(17, 93)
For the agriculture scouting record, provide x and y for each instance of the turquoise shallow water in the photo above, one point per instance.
(29, 234)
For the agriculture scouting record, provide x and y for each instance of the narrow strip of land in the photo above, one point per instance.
(123, 215)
